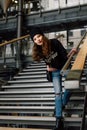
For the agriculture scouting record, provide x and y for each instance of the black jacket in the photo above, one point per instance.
(58, 56)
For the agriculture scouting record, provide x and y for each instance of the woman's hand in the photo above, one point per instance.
(50, 68)
(72, 51)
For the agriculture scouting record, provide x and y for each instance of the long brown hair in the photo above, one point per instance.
(39, 52)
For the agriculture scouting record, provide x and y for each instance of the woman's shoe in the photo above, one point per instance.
(63, 107)
(59, 124)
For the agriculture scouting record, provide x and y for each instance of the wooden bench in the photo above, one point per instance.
(74, 76)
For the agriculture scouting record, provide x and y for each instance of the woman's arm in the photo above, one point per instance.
(73, 50)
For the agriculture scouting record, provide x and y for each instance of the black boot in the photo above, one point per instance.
(59, 124)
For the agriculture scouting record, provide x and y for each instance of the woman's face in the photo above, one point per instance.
(38, 39)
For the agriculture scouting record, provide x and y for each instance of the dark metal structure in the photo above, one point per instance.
(50, 21)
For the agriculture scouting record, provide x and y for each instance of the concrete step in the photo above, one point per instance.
(41, 101)
(34, 85)
(28, 120)
(39, 121)
(42, 63)
(26, 93)
(34, 69)
(11, 128)
(41, 98)
(27, 109)
(30, 85)
(29, 76)
(40, 109)
(76, 110)
(41, 80)
(73, 121)
(32, 73)
(29, 89)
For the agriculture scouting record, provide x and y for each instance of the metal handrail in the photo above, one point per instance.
(13, 40)
(65, 67)
(16, 41)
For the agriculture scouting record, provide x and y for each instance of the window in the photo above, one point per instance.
(83, 32)
(70, 33)
(70, 43)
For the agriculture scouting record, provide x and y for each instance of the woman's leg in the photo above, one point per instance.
(58, 105)
(66, 97)
(58, 93)
(67, 94)
(58, 100)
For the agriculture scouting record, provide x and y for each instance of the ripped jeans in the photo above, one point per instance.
(60, 99)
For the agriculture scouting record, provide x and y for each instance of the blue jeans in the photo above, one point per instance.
(60, 99)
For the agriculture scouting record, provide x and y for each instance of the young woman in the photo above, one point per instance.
(55, 56)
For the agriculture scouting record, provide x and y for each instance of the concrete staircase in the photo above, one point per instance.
(27, 101)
